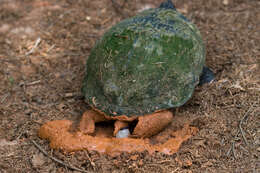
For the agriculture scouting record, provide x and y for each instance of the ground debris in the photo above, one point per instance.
(38, 160)
(55, 69)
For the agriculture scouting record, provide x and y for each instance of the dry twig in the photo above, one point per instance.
(90, 160)
(36, 44)
(55, 159)
(4, 97)
(241, 122)
(232, 148)
(51, 48)
(33, 83)
(228, 153)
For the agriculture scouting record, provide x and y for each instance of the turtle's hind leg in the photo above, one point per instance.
(149, 125)
(88, 120)
(206, 76)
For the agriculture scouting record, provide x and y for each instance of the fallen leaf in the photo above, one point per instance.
(38, 160)
(4, 142)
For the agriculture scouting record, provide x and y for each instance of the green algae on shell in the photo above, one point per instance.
(149, 62)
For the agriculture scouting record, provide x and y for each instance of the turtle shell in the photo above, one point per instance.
(149, 62)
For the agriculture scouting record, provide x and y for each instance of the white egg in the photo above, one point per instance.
(122, 133)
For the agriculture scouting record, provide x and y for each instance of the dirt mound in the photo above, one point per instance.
(43, 49)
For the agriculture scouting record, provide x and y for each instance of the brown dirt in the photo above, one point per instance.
(43, 83)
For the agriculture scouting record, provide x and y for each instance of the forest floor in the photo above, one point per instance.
(43, 49)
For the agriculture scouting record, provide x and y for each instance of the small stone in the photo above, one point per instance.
(4, 28)
(88, 18)
(70, 94)
(146, 7)
(225, 2)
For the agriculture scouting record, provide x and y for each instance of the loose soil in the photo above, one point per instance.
(43, 49)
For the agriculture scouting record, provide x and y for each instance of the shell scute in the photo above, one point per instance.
(148, 62)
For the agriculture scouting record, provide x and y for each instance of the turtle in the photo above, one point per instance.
(140, 69)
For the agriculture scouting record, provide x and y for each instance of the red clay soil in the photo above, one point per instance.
(60, 137)
(63, 136)
(43, 49)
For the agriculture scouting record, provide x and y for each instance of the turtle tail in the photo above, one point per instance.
(167, 4)
(207, 76)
